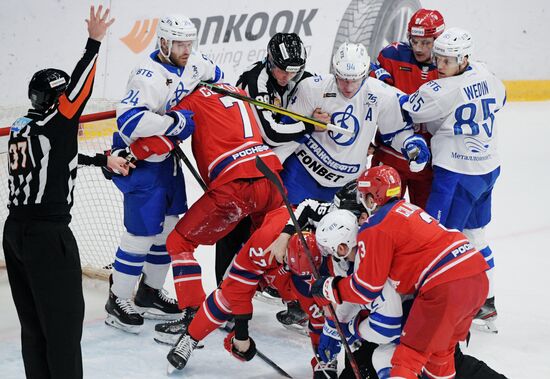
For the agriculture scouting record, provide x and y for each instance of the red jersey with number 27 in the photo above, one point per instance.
(227, 138)
(404, 244)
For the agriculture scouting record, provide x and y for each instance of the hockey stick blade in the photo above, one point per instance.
(272, 177)
(276, 109)
(263, 357)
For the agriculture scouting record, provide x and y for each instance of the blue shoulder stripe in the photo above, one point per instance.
(379, 216)
(387, 320)
(386, 332)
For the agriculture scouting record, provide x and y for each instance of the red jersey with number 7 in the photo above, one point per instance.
(227, 138)
(404, 244)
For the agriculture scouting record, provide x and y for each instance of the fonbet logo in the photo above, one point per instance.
(223, 29)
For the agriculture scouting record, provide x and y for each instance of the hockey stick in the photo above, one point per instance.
(276, 109)
(272, 177)
(181, 155)
(263, 357)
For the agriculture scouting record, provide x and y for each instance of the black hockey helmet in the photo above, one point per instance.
(287, 52)
(46, 86)
(346, 198)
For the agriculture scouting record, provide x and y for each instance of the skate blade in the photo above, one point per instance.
(486, 326)
(115, 323)
(170, 369)
(296, 328)
(264, 298)
(164, 341)
(156, 314)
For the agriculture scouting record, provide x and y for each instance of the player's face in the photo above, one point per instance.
(181, 50)
(348, 88)
(422, 48)
(446, 66)
(364, 216)
(281, 76)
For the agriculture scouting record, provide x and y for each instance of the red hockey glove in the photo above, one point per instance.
(228, 344)
(324, 290)
(144, 147)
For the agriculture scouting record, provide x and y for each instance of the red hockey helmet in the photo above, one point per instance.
(382, 182)
(298, 261)
(426, 23)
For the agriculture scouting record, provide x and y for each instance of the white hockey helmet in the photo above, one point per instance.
(351, 61)
(175, 27)
(337, 227)
(454, 42)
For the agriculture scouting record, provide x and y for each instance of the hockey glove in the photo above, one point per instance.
(228, 344)
(381, 73)
(144, 147)
(416, 151)
(183, 124)
(329, 343)
(324, 290)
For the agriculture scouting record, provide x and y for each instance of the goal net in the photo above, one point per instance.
(97, 212)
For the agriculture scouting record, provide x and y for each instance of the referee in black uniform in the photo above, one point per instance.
(40, 250)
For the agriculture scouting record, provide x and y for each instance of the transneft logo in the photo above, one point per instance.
(216, 29)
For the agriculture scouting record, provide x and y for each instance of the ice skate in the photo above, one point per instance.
(168, 332)
(181, 352)
(486, 317)
(268, 295)
(294, 318)
(154, 304)
(122, 315)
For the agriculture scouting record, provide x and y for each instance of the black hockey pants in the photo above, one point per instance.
(45, 277)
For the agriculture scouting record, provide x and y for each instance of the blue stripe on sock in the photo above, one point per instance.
(127, 269)
(214, 309)
(126, 256)
(186, 270)
(158, 248)
(158, 259)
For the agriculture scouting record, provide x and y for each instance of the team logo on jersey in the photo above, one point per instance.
(195, 71)
(179, 94)
(475, 145)
(346, 120)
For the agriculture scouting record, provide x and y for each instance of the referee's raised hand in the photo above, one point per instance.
(98, 24)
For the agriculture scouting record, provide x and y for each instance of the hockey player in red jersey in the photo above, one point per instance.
(225, 142)
(402, 243)
(406, 66)
(252, 267)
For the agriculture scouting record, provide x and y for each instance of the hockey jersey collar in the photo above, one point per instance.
(169, 67)
(380, 214)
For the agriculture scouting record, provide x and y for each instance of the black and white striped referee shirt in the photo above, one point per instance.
(43, 148)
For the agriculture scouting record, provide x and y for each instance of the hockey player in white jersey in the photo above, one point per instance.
(324, 162)
(383, 323)
(459, 111)
(154, 193)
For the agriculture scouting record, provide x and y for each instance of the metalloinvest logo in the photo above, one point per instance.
(221, 29)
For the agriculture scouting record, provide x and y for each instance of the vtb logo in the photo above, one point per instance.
(141, 35)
